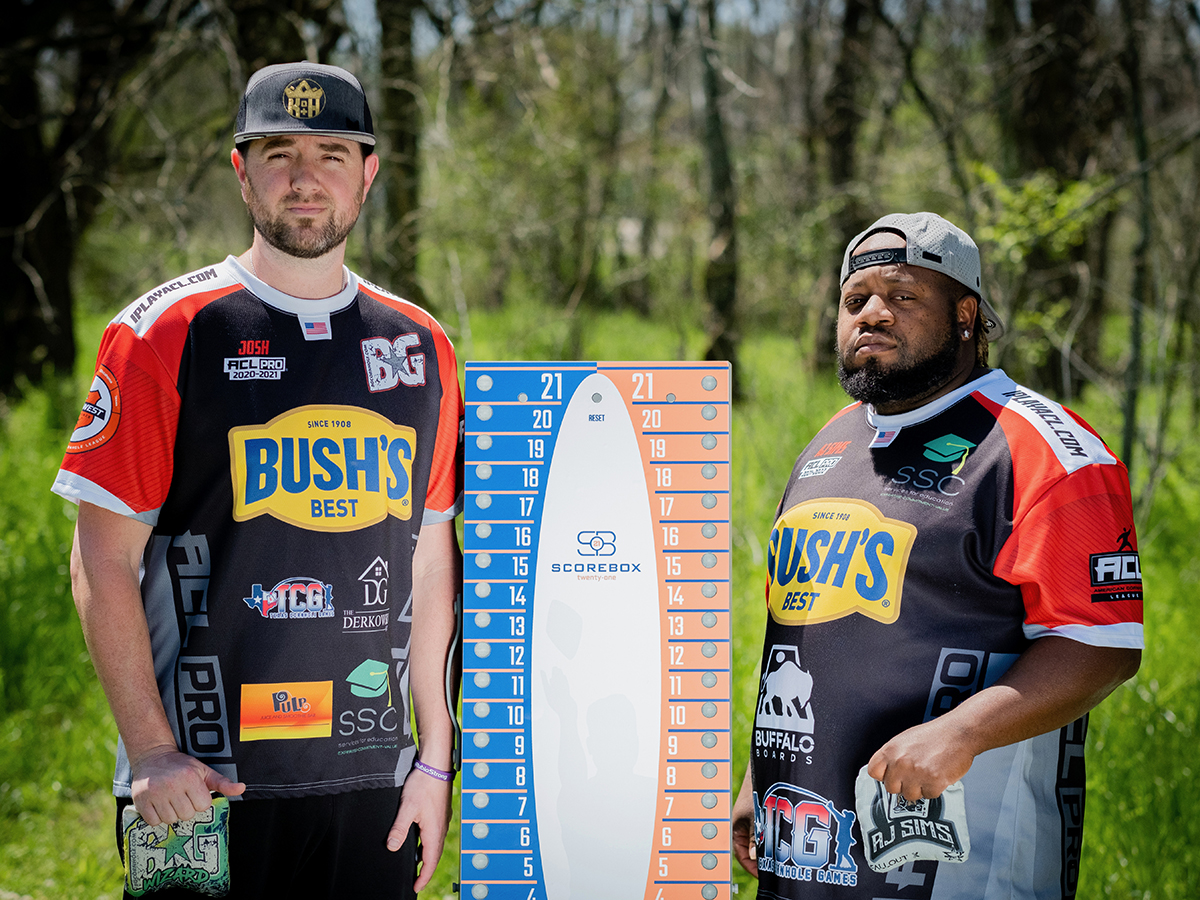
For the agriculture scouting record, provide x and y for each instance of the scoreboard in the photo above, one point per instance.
(596, 654)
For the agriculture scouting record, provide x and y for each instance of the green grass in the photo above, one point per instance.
(57, 739)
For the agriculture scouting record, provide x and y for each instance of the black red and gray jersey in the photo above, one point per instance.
(286, 453)
(914, 558)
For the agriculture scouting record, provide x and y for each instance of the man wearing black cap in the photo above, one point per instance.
(268, 467)
(951, 586)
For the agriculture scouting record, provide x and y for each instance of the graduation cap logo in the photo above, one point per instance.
(948, 448)
(370, 679)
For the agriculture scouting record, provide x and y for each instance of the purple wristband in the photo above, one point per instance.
(432, 772)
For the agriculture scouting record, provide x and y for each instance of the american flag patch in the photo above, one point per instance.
(884, 437)
(316, 328)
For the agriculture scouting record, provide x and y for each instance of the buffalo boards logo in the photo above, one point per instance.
(303, 99)
(323, 468)
(832, 557)
(297, 709)
(101, 414)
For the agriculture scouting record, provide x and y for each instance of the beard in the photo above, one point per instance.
(300, 239)
(908, 379)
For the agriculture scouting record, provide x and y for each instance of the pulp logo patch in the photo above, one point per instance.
(287, 711)
(389, 363)
(293, 598)
(323, 468)
(801, 836)
(783, 720)
(833, 557)
(100, 416)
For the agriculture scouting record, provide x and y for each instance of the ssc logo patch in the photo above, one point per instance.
(101, 414)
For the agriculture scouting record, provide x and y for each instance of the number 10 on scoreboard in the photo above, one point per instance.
(596, 653)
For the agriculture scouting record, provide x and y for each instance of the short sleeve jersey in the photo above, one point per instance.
(287, 453)
(914, 558)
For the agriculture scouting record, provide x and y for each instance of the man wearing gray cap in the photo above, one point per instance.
(268, 468)
(952, 583)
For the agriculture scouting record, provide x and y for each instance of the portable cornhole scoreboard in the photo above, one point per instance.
(596, 654)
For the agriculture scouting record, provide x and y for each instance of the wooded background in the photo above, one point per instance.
(628, 179)
(682, 158)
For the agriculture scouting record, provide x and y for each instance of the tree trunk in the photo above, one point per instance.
(721, 275)
(401, 169)
(844, 117)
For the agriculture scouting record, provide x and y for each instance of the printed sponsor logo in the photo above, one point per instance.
(961, 673)
(783, 720)
(100, 416)
(200, 698)
(896, 821)
(375, 614)
(833, 557)
(323, 468)
(303, 99)
(816, 467)
(287, 711)
(252, 368)
(372, 726)
(1116, 575)
(390, 364)
(801, 836)
(293, 598)
(1063, 430)
(150, 299)
(950, 448)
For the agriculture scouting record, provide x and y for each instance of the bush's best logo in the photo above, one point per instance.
(832, 557)
(323, 468)
(100, 416)
(801, 836)
(298, 709)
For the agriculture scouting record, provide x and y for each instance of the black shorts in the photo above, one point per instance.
(312, 848)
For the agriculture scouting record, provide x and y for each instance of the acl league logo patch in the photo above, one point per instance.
(783, 722)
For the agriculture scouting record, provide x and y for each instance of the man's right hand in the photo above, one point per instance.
(741, 820)
(169, 786)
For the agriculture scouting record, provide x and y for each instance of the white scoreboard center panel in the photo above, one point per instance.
(596, 657)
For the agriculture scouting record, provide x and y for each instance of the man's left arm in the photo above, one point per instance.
(1055, 681)
(425, 800)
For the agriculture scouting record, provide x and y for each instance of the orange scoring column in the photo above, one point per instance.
(681, 414)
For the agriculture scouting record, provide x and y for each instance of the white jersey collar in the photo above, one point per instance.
(297, 305)
(888, 427)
